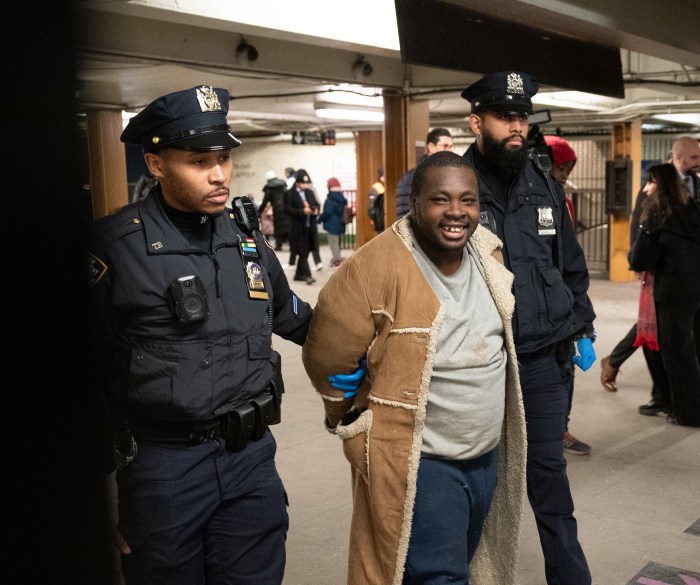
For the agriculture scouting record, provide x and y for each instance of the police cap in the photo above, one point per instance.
(506, 91)
(191, 119)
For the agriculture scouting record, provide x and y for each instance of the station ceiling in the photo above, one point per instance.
(643, 56)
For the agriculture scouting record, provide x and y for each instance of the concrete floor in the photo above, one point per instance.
(637, 494)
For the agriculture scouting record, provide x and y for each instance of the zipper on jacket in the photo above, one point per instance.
(217, 266)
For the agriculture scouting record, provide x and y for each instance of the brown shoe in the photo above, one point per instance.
(608, 375)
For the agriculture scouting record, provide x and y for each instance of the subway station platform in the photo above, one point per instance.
(637, 494)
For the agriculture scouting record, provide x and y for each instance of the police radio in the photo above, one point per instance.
(538, 151)
(245, 214)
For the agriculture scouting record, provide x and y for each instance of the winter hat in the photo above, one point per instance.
(270, 175)
(301, 176)
(333, 182)
(561, 151)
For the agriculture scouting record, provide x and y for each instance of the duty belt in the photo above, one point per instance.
(247, 422)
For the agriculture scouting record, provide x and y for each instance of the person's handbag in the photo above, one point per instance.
(347, 215)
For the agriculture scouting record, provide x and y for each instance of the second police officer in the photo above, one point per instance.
(526, 209)
(186, 298)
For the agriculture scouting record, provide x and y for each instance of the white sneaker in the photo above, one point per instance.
(287, 266)
(319, 266)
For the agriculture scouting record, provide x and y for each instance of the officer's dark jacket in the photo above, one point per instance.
(672, 251)
(157, 368)
(550, 305)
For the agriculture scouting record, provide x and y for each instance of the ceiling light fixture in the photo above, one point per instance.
(576, 100)
(355, 95)
(692, 119)
(346, 112)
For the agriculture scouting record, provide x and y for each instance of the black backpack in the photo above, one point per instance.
(375, 208)
(377, 213)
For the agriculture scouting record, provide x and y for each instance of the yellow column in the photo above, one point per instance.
(406, 123)
(626, 143)
(368, 157)
(108, 180)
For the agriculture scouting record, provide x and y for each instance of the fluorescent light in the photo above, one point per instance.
(354, 95)
(349, 113)
(652, 127)
(690, 118)
(126, 116)
(577, 100)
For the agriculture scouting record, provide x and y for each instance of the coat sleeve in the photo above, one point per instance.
(266, 199)
(341, 331)
(645, 253)
(289, 207)
(291, 315)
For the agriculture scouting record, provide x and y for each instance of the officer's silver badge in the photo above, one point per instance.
(545, 221)
(207, 98)
(514, 84)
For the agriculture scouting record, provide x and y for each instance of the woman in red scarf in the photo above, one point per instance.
(668, 245)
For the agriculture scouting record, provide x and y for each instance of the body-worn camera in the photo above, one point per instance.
(187, 298)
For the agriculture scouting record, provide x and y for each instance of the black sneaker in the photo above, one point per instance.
(652, 409)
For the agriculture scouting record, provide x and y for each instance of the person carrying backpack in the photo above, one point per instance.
(332, 218)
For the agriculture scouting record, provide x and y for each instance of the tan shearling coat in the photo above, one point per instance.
(378, 303)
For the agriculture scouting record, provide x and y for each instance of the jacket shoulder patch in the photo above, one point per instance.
(96, 270)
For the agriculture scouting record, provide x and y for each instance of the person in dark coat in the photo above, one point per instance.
(332, 218)
(669, 245)
(438, 139)
(274, 193)
(526, 209)
(301, 205)
(185, 299)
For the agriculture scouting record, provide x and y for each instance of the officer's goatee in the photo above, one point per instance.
(502, 158)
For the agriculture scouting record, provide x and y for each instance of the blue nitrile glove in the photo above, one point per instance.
(586, 353)
(350, 382)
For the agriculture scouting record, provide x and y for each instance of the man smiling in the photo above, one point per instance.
(436, 432)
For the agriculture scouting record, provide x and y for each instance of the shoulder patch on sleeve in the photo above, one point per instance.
(96, 270)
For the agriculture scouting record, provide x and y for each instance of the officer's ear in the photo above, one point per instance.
(475, 124)
(154, 164)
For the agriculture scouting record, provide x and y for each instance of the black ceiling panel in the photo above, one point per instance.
(440, 34)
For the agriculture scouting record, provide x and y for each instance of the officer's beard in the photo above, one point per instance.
(508, 160)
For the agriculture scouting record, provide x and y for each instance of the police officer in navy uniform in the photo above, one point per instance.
(186, 297)
(553, 314)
